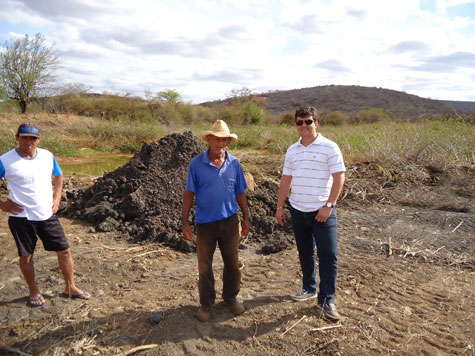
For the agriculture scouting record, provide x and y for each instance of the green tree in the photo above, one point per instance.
(170, 95)
(27, 67)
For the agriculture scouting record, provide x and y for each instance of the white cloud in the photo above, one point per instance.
(205, 48)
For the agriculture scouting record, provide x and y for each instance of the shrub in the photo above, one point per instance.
(252, 113)
(6, 145)
(130, 147)
(335, 118)
(10, 106)
(369, 114)
(58, 146)
(288, 118)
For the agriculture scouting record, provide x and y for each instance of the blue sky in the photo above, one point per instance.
(205, 48)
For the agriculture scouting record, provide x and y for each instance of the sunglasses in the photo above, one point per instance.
(300, 122)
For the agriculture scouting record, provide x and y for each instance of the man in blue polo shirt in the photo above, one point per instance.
(32, 203)
(216, 178)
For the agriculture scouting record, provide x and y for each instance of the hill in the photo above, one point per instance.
(350, 99)
(460, 105)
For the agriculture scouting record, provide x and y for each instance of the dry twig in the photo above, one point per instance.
(326, 328)
(122, 248)
(138, 348)
(143, 254)
(285, 332)
(326, 344)
(457, 226)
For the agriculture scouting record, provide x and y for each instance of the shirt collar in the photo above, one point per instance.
(317, 140)
(205, 159)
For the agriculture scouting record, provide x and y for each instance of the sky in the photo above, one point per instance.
(204, 49)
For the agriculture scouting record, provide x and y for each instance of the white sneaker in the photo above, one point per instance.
(304, 295)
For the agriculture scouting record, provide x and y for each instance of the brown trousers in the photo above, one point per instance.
(224, 233)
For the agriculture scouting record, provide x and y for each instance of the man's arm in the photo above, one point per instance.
(11, 207)
(284, 189)
(57, 192)
(242, 202)
(337, 186)
(188, 196)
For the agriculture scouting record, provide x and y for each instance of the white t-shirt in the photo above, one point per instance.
(29, 182)
(311, 169)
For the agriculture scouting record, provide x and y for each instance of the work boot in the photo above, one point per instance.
(203, 315)
(236, 308)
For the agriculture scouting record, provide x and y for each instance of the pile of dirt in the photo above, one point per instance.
(143, 199)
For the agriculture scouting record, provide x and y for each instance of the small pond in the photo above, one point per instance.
(92, 165)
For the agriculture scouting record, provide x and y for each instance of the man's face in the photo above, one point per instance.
(306, 125)
(27, 144)
(218, 144)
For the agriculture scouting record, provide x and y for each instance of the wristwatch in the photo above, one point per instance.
(329, 205)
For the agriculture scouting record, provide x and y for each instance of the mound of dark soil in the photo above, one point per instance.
(143, 199)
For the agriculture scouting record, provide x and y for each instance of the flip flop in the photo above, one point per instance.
(77, 296)
(31, 305)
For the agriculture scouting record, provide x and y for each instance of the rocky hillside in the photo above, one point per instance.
(350, 99)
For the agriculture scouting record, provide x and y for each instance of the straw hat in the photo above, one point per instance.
(219, 129)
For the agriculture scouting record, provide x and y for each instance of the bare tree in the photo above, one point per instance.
(240, 93)
(27, 67)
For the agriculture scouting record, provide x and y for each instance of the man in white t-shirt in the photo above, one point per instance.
(32, 204)
(314, 168)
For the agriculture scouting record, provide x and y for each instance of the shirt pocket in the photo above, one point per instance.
(231, 184)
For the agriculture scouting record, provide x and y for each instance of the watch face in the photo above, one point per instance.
(330, 205)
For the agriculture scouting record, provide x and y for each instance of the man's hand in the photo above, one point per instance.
(11, 207)
(245, 227)
(323, 214)
(187, 232)
(280, 216)
(56, 202)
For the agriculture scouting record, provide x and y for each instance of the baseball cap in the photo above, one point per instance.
(28, 130)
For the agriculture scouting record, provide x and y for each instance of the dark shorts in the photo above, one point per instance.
(26, 233)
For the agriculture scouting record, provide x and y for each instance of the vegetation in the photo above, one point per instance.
(122, 123)
(335, 118)
(368, 115)
(27, 67)
(443, 144)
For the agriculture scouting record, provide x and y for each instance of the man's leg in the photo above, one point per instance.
(66, 264)
(24, 233)
(327, 252)
(306, 248)
(52, 235)
(28, 270)
(205, 247)
(228, 244)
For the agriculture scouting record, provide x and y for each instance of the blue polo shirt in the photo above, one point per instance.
(215, 189)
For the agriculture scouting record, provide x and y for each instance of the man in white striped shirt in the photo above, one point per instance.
(315, 170)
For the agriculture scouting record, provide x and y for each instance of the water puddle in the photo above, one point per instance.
(92, 165)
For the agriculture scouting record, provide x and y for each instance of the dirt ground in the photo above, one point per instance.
(406, 283)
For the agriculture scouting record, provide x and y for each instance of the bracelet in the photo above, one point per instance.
(279, 207)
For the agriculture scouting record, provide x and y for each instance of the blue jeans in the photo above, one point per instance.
(310, 233)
